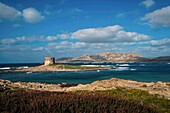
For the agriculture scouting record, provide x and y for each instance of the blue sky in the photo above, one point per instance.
(31, 30)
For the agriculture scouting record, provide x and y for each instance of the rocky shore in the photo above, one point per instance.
(160, 88)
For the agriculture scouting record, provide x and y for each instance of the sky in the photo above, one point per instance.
(33, 29)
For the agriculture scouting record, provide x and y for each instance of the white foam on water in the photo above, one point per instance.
(28, 72)
(89, 65)
(5, 68)
(124, 65)
(122, 68)
(104, 66)
(133, 69)
(23, 67)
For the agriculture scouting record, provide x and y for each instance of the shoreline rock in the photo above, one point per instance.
(160, 88)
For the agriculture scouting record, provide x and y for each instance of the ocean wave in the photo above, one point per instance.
(142, 65)
(89, 65)
(5, 68)
(122, 68)
(108, 66)
(22, 67)
(125, 65)
(133, 69)
(96, 66)
(28, 72)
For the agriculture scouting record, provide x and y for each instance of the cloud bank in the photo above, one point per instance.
(162, 42)
(158, 18)
(107, 34)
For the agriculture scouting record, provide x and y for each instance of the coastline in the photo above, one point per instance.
(159, 88)
(52, 68)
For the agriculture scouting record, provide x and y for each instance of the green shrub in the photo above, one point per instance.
(134, 95)
(47, 102)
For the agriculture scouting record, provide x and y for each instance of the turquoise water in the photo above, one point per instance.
(145, 72)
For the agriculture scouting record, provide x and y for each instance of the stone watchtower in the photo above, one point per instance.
(49, 61)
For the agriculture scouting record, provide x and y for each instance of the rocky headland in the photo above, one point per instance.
(160, 88)
(57, 68)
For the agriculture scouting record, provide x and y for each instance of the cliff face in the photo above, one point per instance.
(107, 57)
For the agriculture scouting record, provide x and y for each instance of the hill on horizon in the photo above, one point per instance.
(112, 57)
(104, 57)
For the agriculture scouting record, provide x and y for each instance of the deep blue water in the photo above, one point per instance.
(147, 72)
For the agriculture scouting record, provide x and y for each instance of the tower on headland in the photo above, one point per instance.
(49, 61)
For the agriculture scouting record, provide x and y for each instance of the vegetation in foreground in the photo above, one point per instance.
(73, 102)
(134, 95)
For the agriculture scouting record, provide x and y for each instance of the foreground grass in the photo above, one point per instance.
(134, 95)
(19, 101)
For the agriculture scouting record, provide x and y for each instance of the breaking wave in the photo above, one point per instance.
(133, 69)
(124, 65)
(22, 67)
(122, 68)
(5, 68)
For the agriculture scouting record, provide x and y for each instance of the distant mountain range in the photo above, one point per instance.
(109, 57)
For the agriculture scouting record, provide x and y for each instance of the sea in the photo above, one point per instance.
(143, 72)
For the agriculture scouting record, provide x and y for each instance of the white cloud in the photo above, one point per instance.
(63, 36)
(32, 16)
(148, 3)
(22, 40)
(38, 49)
(9, 13)
(162, 42)
(159, 17)
(68, 45)
(78, 45)
(107, 34)
(7, 41)
(63, 45)
(51, 38)
(154, 51)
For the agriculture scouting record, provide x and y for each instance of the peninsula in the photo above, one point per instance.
(50, 66)
(66, 64)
